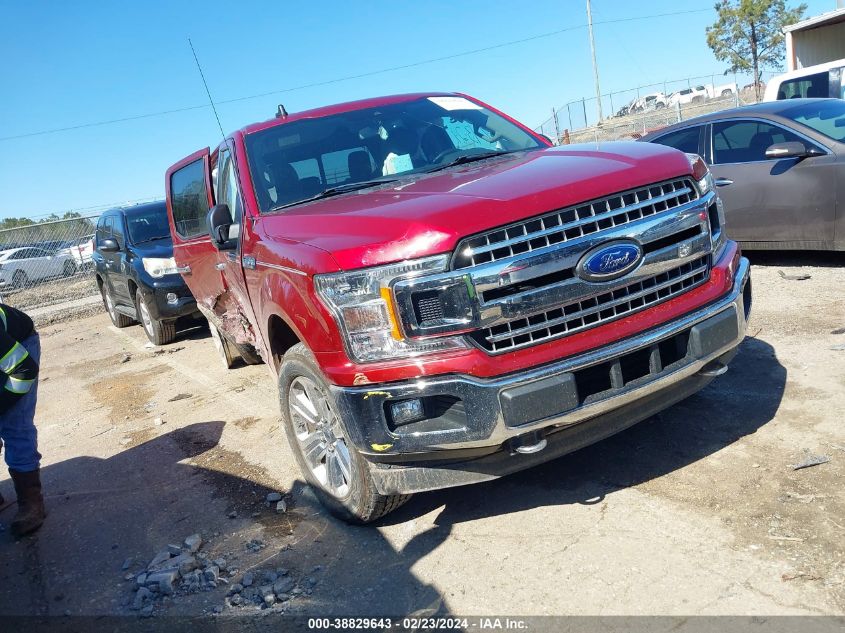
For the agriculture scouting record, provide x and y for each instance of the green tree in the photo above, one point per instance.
(748, 34)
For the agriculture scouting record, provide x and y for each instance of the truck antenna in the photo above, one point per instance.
(210, 100)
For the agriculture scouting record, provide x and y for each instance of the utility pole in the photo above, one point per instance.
(595, 67)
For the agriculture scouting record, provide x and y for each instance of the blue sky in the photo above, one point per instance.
(72, 63)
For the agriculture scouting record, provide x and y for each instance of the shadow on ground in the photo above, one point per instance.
(131, 505)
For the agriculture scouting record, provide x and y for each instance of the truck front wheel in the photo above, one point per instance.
(339, 475)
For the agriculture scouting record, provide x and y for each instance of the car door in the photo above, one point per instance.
(771, 200)
(38, 264)
(120, 268)
(111, 261)
(231, 263)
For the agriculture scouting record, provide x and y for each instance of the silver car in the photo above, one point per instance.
(779, 167)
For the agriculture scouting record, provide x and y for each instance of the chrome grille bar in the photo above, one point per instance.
(593, 311)
(573, 222)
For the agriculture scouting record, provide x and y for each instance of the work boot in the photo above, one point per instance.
(31, 512)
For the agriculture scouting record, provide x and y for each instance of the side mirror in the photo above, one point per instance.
(219, 222)
(546, 138)
(109, 245)
(791, 149)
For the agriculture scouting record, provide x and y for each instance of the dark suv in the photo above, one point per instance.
(136, 273)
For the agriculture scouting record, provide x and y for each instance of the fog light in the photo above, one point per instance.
(172, 299)
(407, 411)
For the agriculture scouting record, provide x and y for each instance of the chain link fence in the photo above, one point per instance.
(46, 268)
(627, 113)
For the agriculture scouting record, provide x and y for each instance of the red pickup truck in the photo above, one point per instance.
(444, 297)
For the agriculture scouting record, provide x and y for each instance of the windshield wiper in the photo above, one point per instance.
(470, 158)
(337, 190)
(153, 239)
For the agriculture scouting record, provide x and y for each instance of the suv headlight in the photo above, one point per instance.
(160, 266)
(362, 304)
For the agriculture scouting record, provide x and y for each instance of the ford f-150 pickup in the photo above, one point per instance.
(444, 297)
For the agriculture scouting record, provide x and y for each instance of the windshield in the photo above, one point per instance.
(825, 117)
(297, 161)
(148, 225)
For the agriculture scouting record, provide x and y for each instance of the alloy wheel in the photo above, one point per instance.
(320, 436)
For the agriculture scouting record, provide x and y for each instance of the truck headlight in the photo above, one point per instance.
(160, 266)
(361, 302)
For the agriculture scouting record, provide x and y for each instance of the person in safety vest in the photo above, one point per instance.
(20, 350)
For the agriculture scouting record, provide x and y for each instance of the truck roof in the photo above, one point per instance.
(347, 106)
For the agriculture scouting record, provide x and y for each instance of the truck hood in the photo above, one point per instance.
(431, 213)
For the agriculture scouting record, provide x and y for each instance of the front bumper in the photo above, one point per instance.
(156, 297)
(479, 429)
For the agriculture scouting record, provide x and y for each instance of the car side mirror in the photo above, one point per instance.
(109, 245)
(219, 223)
(546, 138)
(791, 149)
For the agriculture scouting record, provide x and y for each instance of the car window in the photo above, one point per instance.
(825, 117)
(189, 200)
(228, 192)
(805, 87)
(148, 224)
(107, 227)
(297, 160)
(117, 230)
(685, 140)
(746, 141)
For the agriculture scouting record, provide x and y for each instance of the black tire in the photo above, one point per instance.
(69, 269)
(726, 92)
(20, 279)
(227, 352)
(118, 319)
(159, 332)
(362, 503)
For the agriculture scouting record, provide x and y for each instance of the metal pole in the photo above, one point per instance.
(612, 109)
(557, 127)
(595, 67)
(569, 112)
(584, 107)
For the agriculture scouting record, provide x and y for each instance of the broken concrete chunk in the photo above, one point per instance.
(126, 564)
(248, 579)
(811, 460)
(211, 572)
(174, 550)
(193, 542)
(285, 585)
(281, 507)
(273, 497)
(159, 559)
(141, 597)
(163, 580)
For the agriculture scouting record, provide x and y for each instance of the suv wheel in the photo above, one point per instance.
(159, 332)
(20, 280)
(339, 475)
(119, 320)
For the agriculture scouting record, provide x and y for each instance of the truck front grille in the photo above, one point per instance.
(590, 312)
(573, 222)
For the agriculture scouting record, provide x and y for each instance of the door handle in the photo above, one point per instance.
(723, 182)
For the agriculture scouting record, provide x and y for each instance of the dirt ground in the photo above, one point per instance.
(695, 511)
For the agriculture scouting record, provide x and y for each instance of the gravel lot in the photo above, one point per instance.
(695, 511)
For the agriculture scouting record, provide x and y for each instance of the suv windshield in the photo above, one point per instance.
(148, 224)
(825, 117)
(301, 160)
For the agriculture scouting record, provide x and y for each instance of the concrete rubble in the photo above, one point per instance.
(182, 570)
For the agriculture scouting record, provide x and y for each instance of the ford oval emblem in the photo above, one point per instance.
(609, 261)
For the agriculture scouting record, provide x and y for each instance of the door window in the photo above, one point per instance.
(746, 141)
(188, 199)
(228, 192)
(117, 230)
(105, 229)
(685, 140)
